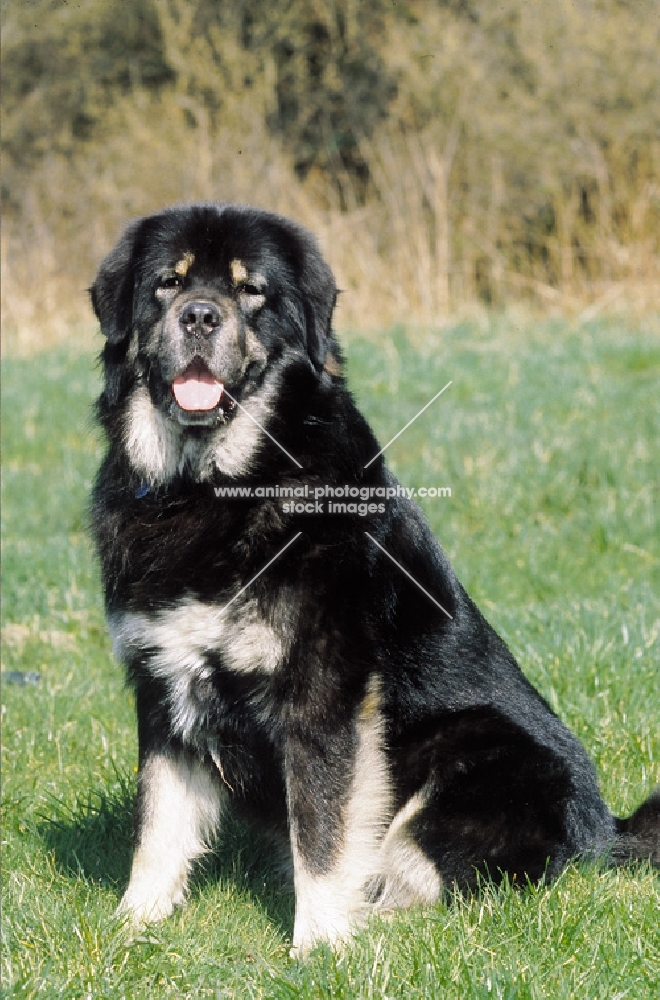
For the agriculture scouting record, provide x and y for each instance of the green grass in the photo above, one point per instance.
(547, 438)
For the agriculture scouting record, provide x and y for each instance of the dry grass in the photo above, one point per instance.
(518, 164)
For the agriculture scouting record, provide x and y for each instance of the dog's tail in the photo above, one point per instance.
(638, 837)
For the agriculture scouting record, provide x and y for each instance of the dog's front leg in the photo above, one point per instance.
(339, 803)
(177, 808)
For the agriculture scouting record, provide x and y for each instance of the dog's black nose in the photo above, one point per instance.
(200, 318)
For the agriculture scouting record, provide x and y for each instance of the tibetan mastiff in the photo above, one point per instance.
(319, 669)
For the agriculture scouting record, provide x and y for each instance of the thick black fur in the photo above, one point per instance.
(508, 788)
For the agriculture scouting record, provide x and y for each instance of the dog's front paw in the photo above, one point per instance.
(331, 928)
(142, 905)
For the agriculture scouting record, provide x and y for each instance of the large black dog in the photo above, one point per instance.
(323, 673)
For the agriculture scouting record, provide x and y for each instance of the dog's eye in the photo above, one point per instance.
(250, 297)
(249, 289)
(171, 281)
(167, 284)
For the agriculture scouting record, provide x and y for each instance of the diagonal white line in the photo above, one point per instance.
(257, 575)
(407, 573)
(407, 425)
(261, 427)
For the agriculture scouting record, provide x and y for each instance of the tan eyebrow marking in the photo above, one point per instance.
(183, 266)
(239, 271)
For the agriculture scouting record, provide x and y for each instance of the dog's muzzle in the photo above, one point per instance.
(200, 319)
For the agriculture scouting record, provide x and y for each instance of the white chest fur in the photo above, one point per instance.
(175, 644)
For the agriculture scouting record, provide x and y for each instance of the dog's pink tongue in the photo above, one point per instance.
(197, 388)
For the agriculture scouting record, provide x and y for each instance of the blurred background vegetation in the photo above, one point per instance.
(452, 155)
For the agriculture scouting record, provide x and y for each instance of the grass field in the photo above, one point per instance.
(548, 439)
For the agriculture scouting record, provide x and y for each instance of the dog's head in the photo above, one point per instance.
(201, 306)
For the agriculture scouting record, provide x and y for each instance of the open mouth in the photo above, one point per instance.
(197, 390)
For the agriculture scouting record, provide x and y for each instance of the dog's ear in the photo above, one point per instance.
(319, 291)
(112, 291)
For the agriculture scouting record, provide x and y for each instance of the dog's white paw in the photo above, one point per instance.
(142, 905)
(317, 927)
